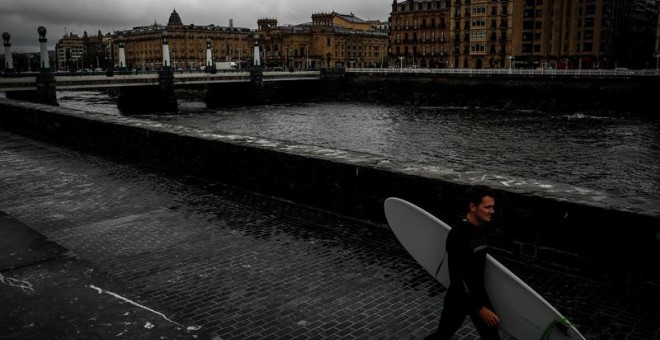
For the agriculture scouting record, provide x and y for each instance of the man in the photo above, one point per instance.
(466, 256)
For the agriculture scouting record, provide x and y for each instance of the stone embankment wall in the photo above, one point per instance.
(562, 93)
(573, 229)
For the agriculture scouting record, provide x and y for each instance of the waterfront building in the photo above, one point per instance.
(187, 44)
(524, 33)
(584, 34)
(481, 33)
(329, 40)
(419, 33)
(69, 53)
(97, 50)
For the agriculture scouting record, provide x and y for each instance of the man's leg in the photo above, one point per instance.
(453, 315)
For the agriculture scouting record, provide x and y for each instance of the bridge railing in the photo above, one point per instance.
(514, 72)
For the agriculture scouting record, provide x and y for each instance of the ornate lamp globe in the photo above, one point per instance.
(42, 31)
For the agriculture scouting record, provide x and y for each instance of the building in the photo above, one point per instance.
(187, 44)
(481, 33)
(419, 33)
(329, 40)
(69, 53)
(97, 50)
(525, 33)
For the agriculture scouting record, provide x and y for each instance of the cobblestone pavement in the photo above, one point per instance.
(246, 266)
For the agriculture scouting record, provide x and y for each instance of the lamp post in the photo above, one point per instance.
(9, 62)
(45, 62)
(166, 51)
(307, 55)
(401, 61)
(657, 59)
(511, 59)
(122, 54)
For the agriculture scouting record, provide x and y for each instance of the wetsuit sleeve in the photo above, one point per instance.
(458, 252)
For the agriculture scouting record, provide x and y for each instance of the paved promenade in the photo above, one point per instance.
(244, 266)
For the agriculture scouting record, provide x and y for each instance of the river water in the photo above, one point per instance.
(616, 154)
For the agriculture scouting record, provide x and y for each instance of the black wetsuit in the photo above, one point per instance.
(466, 253)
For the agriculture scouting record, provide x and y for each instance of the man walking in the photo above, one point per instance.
(466, 256)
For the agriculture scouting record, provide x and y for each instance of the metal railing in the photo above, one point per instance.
(516, 72)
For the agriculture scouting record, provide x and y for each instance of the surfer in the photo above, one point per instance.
(466, 256)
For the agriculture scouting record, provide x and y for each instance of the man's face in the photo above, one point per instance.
(485, 210)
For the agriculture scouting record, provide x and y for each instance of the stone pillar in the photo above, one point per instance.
(209, 57)
(122, 54)
(9, 62)
(46, 92)
(258, 94)
(152, 99)
(166, 52)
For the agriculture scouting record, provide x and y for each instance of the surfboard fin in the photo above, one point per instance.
(561, 324)
(563, 328)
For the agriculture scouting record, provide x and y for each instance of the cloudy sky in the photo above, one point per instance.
(21, 18)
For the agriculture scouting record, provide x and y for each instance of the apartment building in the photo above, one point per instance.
(419, 33)
(526, 33)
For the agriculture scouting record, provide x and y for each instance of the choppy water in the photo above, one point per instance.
(616, 154)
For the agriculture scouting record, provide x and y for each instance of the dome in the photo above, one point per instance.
(175, 19)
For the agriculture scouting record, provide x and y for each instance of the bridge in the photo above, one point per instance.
(154, 87)
(618, 89)
(73, 81)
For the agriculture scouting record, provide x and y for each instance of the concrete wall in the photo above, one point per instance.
(637, 95)
(577, 230)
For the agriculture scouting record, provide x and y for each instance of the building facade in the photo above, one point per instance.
(329, 40)
(419, 33)
(481, 33)
(69, 53)
(97, 50)
(187, 45)
(525, 33)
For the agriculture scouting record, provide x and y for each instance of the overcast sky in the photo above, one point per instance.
(21, 18)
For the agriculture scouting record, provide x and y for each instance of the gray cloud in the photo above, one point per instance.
(22, 17)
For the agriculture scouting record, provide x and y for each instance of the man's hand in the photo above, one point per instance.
(489, 317)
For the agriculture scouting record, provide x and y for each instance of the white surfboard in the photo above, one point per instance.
(523, 313)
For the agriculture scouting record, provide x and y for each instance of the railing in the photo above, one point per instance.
(515, 72)
(22, 81)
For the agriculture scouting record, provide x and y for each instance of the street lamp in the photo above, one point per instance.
(511, 59)
(401, 60)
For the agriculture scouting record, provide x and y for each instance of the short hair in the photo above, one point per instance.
(475, 194)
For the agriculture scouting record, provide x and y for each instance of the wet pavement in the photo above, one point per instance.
(245, 266)
(47, 293)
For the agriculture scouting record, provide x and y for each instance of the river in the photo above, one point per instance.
(616, 154)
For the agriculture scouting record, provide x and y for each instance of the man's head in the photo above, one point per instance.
(479, 201)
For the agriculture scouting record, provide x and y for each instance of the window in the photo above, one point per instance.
(478, 22)
(589, 22)
(477, 35)
(478, 48)
(479, 9)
